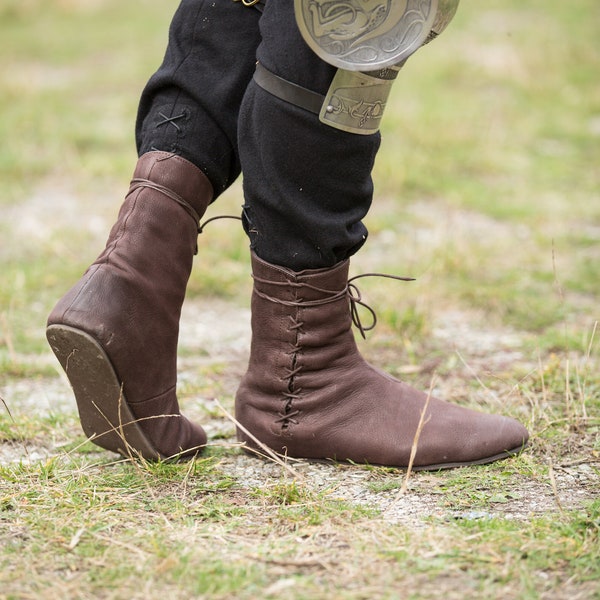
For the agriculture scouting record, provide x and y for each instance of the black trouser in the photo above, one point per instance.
(306, 185)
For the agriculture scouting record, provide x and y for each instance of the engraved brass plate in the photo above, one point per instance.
(364, 35)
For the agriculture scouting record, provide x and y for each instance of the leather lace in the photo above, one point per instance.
(205, 223)
(289, 414)
(349, 291)
(138, 183)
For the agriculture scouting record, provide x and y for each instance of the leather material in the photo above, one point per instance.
(308, 393)
(129, 300)
(288, 91)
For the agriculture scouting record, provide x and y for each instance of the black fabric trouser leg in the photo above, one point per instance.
(190, 105)
(307, 185)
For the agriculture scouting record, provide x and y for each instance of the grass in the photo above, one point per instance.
(120, 530)
(487, 191)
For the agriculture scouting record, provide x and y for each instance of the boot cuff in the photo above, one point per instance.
(177, 174)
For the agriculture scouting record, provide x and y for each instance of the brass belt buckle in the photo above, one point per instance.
(248, 2)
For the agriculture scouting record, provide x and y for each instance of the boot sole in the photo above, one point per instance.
(482, 461)
(105, 417)
(253, 450)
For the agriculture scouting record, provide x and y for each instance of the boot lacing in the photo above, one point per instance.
(146, 183)
(351, 292)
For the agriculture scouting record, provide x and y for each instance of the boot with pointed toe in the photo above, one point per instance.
(308, 393)
(115, 332)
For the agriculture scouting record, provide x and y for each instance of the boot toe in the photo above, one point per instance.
(491, 438)
(514, 436)
(192, 441)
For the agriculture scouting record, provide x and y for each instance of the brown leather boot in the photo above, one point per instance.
(308, 393)
(115, 332)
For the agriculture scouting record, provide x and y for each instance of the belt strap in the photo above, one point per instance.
(288, 91)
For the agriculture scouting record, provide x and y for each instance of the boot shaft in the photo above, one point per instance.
(130, 298)
(304, 314)
(178, 175)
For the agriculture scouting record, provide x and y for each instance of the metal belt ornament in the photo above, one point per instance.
(369, 41)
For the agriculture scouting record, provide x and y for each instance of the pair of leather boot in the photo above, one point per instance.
(307, 393)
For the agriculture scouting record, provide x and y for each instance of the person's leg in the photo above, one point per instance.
(190, 105)
(307, 185)
(308, 392)
(116, 331)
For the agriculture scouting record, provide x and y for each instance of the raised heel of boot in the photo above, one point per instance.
(105, 417)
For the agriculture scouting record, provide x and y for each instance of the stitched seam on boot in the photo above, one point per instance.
(69, 308)
(96, 266)
(169, 390)
(122, 228)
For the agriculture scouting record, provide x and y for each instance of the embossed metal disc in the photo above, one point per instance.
(365, 35)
